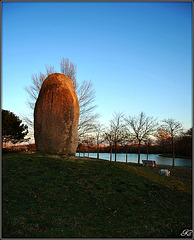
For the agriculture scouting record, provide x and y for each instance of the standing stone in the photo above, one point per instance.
(56, 116)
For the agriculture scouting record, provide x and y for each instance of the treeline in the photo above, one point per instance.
(183, 147)
(138, 134)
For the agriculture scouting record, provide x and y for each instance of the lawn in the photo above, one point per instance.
(67, 197)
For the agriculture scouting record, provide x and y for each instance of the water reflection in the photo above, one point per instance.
(132, 157)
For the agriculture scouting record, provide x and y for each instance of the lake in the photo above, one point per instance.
(133, 157)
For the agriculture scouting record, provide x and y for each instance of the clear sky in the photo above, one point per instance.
(137, 54)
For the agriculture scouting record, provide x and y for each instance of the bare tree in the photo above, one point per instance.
(173, 128)
(148, 143)
(70, 70)
(142, 127)
(33, 91)
(86, 98)
(85, 93)
(163, 139)
(98, 132)
(117, 129)
(37, 81)
(126, 141)
(88, 142)
(108, 136)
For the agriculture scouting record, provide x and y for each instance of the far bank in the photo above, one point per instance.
(133, 158)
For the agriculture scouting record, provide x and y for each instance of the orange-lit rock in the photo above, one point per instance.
(56, 116)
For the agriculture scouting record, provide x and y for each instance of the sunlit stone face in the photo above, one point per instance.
(56, 116)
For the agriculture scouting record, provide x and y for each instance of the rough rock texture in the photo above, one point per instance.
(56, 116)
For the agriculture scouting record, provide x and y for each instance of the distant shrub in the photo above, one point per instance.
(10, 150)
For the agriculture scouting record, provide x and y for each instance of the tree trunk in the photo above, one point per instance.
(139, 153)
(126, 153)
(173, 153)
(97, 151)
(79, 151)
(115, 151)
(147, 152)
(110, 152)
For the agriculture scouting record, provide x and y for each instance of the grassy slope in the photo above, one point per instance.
(53, 196)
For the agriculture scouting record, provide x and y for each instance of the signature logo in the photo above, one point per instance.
(186, 233)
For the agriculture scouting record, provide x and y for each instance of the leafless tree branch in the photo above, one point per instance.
(142, 127)
(85, 93)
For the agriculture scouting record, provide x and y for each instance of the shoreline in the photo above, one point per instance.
(168, 155)
(176, 156)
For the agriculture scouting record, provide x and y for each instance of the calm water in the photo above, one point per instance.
(132, 157)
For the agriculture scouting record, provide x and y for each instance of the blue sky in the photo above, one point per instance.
(137, 54)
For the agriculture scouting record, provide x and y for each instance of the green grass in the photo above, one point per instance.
(56, 196)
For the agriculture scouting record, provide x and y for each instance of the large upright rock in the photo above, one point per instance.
(56, 116)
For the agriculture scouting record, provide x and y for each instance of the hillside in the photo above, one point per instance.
(57, 196)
